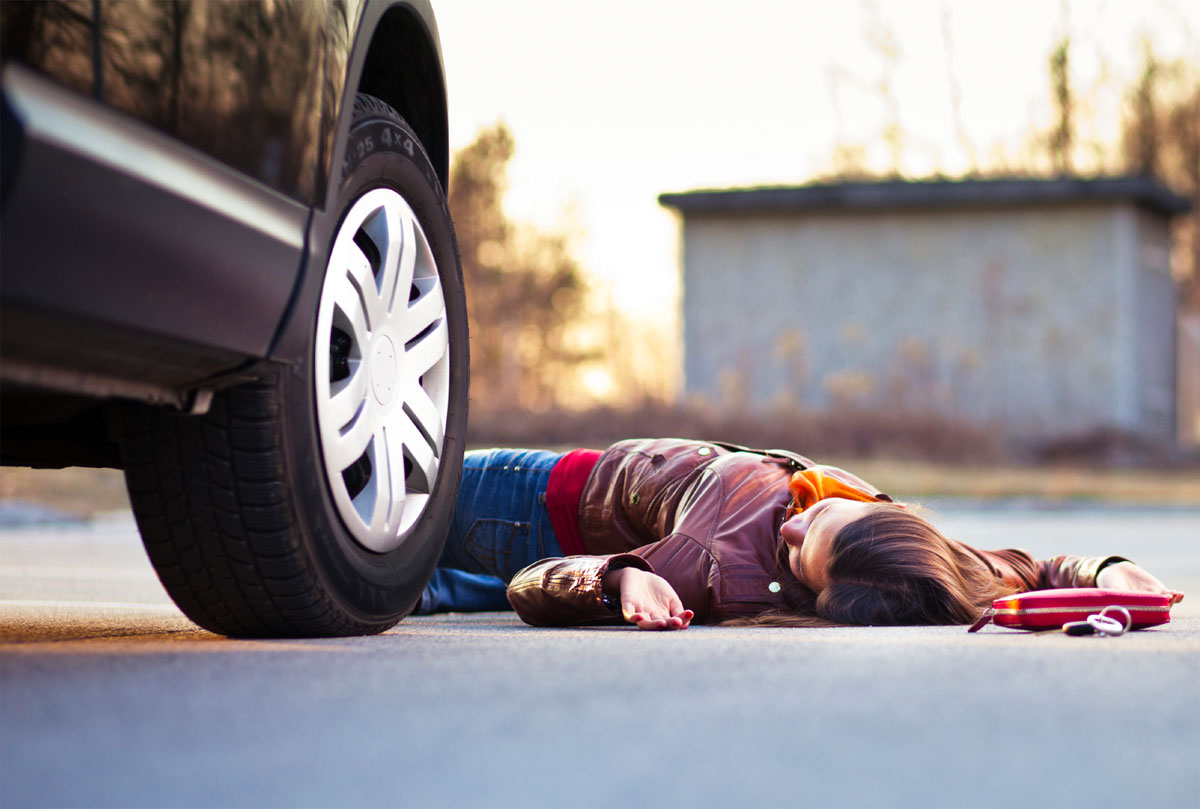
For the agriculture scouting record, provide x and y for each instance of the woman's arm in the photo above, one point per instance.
(1126, 575)
(567, 591)
(596, 589)
(1019, 569)
(1072, 571)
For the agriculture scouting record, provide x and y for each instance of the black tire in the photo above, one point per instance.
(237, 507)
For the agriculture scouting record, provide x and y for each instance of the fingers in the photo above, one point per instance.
(1174, 595)
(651, 620)
(675, 606)
(646, 621)
(650, 602)
(656, 617)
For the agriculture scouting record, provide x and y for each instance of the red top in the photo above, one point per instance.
(563, 492)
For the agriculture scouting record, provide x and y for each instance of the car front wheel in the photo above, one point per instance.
(315, 501)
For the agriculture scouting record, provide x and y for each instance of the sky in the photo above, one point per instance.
(611, 104)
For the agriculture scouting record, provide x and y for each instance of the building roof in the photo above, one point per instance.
(851, 196)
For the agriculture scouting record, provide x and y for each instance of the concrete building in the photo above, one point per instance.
(1044, 308)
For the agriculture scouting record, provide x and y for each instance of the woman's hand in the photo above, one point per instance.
(647, 600)
(1128, 576)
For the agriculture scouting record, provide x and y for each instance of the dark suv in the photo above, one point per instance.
(228, 268)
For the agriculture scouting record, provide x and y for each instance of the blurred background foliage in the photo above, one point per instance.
(555, 364)
(543, 339)
(1161, 139)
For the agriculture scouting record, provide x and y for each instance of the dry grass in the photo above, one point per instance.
(914, 456)
(78, 491)
(910, 455)
(918, 480)
(848, 433)
(87, 492)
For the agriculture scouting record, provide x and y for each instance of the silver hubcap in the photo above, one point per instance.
(382, 370)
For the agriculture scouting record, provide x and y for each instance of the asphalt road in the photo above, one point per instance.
(109, 697)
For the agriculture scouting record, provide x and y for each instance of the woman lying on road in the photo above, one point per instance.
(663, 532)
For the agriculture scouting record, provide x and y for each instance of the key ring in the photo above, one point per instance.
(1104, 625)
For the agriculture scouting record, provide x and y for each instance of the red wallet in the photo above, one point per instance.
(1050, 609)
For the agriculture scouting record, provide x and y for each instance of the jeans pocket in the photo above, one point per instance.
(499, 546)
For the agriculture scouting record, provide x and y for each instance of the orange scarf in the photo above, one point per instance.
(811, 485)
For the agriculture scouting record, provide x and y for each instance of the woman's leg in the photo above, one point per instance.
(459, 591)
(500, 526)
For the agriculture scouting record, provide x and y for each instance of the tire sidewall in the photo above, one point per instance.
(378, 585)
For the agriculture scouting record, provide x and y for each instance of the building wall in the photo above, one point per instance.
(1188, 368)
(1040, 321)
(1158, 303)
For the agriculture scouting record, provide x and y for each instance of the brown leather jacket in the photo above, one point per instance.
(707, 520)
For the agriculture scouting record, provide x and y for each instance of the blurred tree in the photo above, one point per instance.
(524, 289)
(1141, 137)
(1161, 139)
(883, 41)
(956, 95)
(55, 33)
(1063, 133)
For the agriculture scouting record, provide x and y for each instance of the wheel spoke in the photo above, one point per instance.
(423, 353)
(383, 481)
(349, 400)
(391, 240)
(397, 491)
(348, 447)
(408, 257)
(424, 413)
(426, 310)
(401, 255)
(419, 452)
(347, 299)
(360, 271)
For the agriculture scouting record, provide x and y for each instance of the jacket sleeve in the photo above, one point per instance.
(568, 591)
(1072, 571)
(1019, 569)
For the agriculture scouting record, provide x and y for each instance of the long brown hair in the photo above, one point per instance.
(889, 568)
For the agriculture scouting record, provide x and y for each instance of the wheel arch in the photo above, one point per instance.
(396, 57)
(403, 67)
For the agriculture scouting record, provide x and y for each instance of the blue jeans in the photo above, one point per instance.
(500, 526)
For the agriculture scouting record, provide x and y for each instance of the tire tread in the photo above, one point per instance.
(208, 496)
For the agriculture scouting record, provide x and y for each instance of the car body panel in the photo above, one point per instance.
(171, 189)
(202, 254)
(256, 85)
(239, 81)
